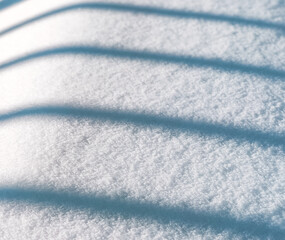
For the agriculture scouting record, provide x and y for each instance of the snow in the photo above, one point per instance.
(142, 119)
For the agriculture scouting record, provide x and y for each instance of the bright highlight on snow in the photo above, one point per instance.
(142, 119)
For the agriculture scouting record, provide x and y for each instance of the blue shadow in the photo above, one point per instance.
(151, 56)
(152, 121)
(156, 12)
(110, 207)
(8, 3)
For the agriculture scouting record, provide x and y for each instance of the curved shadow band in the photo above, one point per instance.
(152, 11)
(8, 3)
(148, 120)
(150, 56)
(135, 209)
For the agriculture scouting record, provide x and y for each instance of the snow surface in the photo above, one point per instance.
(142, 119)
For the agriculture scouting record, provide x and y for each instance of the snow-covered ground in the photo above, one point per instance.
(151, 119)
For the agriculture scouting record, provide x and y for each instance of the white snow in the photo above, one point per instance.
(142, 119)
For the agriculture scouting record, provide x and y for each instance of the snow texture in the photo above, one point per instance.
(145, 119)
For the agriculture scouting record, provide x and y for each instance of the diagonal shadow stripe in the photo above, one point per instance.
(135, 209)
(152, 11)
(148, 120)
(8, 3)
(150, 56)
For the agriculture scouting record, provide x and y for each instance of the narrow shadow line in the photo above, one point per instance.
(135, 209)
(148, 120)
(8, 3)
(152, 11)
(150, 56)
